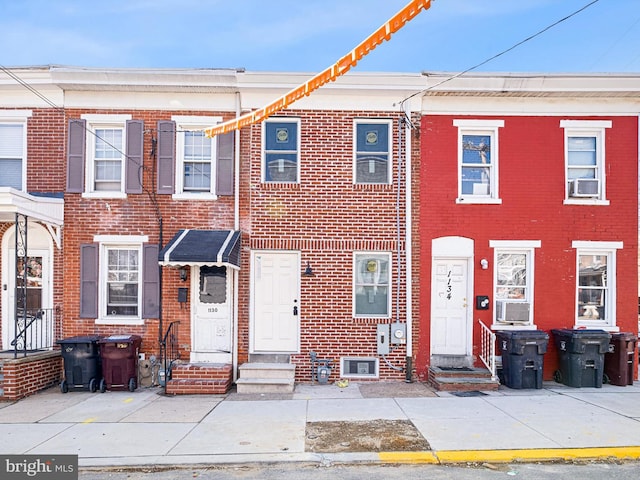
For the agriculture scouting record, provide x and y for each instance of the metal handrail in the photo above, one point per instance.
(34, 330)
(170, 351)
(488, 349)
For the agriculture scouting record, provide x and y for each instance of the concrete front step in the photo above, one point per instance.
(461, 379)
(266, 378)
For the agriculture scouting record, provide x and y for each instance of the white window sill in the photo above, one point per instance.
(586, 201)
(596, 326)
(104, 195)
(194, 196)
(479, 200)
(119, 321)
(502, 327)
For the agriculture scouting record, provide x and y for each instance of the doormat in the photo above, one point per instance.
(470, 393)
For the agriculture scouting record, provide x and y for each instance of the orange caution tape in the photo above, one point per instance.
(341, 67)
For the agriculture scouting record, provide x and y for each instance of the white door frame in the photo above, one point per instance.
(457, 249)
(252, 300)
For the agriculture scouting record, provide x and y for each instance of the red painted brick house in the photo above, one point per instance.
(528, 210)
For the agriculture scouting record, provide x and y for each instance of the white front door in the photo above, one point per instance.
(450, 320)
(38, 279)
(275, 294)
(212, 301)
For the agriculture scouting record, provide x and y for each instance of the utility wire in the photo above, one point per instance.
(531, 37)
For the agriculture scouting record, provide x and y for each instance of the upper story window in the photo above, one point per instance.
(106, 137)
(513, 283)
(478, 160)
(596, 284)
(13, 149)
(371, 293)
(585, 160)
(281, 150)
(195, 157)
(372, 151)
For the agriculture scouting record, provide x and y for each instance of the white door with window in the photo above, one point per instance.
(275, 278)
(34, 309)
(212, 328)
(450, 308)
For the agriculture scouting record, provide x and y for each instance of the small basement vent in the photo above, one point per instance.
(364, 367)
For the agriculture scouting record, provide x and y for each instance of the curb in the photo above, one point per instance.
(508, 456)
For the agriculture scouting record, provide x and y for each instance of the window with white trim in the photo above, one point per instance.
(584, 159)
(372, 151)
(120, 289)
(13, 149)
(106, 144)
(478, 160)
(195, 156)
(281, 150)
(513, 282)
(371, 292)
(596, 283)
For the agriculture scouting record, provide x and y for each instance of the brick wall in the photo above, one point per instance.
(531, 169)
(28, 375)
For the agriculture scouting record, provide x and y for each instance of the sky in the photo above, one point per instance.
(311, 35)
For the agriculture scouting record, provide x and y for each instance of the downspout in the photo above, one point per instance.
(408, 246)
(236, 226)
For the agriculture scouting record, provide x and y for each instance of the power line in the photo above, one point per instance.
(531, 37)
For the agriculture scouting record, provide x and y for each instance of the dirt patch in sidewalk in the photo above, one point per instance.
(364, 436)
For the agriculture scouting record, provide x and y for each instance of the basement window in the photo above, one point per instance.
(359, 367)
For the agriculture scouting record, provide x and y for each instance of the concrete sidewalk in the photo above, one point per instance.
(148, 428)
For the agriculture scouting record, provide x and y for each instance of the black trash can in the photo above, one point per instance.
(619, 359)
(82, 368)
(581, 356)
(119, 355)
(523, 357)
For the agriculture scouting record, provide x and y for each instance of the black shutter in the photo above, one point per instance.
(89, 280)
(166, 156)
(135, 144)
(224, 163)
(76, 145)
(150, 282)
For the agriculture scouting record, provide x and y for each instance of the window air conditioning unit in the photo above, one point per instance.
(585, 187)
(512, 312)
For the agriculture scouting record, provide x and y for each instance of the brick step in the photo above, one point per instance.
(198, 386)
(200, 378)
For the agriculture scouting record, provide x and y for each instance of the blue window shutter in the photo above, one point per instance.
(76, 144)
(224, 163)
(150, 282)
(89, 280)
(166, 156)
(135, 143)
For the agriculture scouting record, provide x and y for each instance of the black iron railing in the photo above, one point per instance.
(33, 331)
(170, 351)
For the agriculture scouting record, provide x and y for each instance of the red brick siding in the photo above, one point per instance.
(531, 163)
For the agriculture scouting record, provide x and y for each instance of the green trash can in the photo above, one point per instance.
(581, 356)
(522, 357)
(81, 358)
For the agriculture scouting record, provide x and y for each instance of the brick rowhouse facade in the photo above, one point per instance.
(534, 211)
